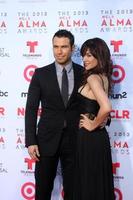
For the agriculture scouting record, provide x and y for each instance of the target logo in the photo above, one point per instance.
(28, 191)
(29, 71)
(118, 74)
(118, 194)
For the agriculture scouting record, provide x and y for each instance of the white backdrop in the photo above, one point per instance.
(26, 29)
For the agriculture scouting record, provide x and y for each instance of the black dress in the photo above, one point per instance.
(93, 172)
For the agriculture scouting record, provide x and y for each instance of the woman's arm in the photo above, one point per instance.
(96, 86)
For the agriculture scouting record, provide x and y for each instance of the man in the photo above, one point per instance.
(54, 137)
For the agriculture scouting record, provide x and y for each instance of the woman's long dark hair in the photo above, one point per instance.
(99, 49)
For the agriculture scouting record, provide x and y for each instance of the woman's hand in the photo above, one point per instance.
(86, 123)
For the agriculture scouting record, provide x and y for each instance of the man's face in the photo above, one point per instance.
(62, 50)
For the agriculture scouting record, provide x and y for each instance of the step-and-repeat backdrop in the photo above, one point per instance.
(26, 30)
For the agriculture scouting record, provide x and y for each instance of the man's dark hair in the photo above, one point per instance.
(65, 33)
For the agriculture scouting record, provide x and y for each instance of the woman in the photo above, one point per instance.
(93, 174)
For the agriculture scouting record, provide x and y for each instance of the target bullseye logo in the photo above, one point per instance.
(29, 71)
(118, 194)
(118, 74)
(28, 191)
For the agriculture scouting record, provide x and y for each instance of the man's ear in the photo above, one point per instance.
(73, 48)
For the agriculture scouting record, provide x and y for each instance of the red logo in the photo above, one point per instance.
(118, 74)
(118, 194)
(21, 111)
(29, 71)
(19, 141)
(116, 44)
(73, 23)
(2, 24)
(116, 22)
(115, 166)
(120, 144)
(28, 191)
(120, 114)
(31, 24)
(29, 162)
(32, 45)
(2, 140)
(2, 111)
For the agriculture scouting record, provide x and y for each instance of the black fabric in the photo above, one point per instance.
(64, 86)
(46, 168)
(54, 141)
(44, 89)
(93, 170)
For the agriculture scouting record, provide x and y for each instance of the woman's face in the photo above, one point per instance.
(89, 60)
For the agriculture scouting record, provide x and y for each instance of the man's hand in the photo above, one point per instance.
(34, 152)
